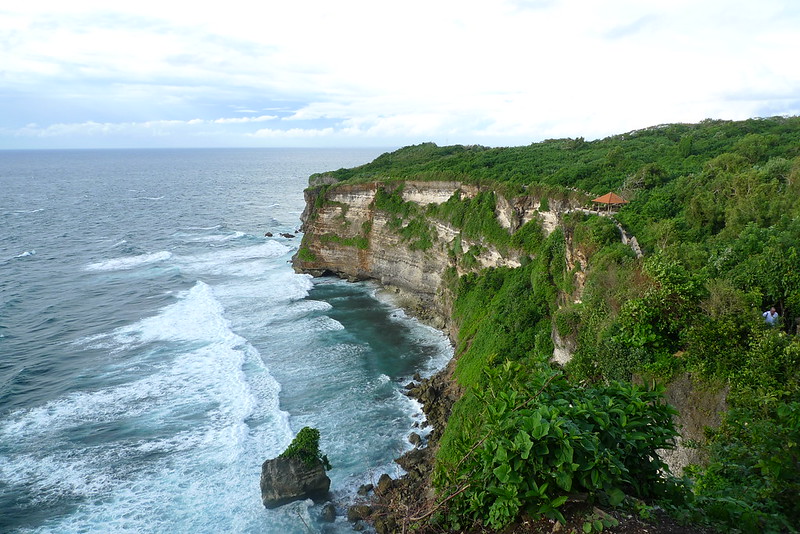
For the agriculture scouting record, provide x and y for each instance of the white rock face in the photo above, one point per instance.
(425, 193)
(549, 221)
(345, 235)
(562, 349)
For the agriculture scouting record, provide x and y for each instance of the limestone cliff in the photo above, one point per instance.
(351, 231)
(346, 235)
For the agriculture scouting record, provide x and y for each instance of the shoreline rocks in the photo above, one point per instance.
(389, 504)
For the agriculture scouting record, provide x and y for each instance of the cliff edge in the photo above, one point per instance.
(384, 231)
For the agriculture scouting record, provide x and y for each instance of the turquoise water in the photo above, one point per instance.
(156, 347)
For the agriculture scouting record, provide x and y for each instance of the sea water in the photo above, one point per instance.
(156, 347)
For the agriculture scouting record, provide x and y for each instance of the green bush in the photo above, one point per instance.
(475, 217)
(406, 219)
(359, 241)
(305, 254)
(752, 481)
(305, 447)
(528, 237)
(544, 439)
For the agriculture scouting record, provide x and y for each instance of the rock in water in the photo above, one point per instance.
(328, 513)
(285, 480)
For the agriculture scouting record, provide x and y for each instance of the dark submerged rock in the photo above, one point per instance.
(358, 512)
(284, 480)
(385, 525)
(384, 484)
(328, 513)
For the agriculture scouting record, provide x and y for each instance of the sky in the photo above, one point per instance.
(370, 73)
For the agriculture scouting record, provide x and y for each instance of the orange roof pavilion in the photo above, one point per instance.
(610, 199)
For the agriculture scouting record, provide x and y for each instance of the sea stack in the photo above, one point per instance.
(284, 480)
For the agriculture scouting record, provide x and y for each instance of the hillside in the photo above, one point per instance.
(567, 341)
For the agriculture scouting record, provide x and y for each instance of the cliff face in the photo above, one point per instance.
(346, 235)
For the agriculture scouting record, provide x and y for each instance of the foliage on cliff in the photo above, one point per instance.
(716, 209)
(652, 155)
(544, 440)
(718, 215)
(523, 438)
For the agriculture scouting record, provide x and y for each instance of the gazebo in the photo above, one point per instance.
(609, 199)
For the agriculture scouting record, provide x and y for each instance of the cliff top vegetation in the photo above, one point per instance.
(594, 166)
(716, 209)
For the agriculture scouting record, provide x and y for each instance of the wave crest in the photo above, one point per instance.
(129, 262)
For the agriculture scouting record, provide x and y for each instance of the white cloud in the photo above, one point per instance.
(92, 127)
(293, 133)
(501, 72)
(243, 120)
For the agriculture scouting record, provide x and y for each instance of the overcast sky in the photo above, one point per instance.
(144, 73)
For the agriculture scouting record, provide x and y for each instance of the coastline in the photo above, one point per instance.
(346, 235)
(385, 502)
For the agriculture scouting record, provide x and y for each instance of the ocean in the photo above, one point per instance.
(156, 347)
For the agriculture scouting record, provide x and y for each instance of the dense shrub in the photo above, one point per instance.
(543, 439)
(305, 447)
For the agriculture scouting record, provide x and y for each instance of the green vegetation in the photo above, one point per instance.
(474, 216)
(407, 219)
(751, 481)
(715, 207)
(523, 437)
(359, 241)
(646, 157)
(304, 254)
(544, 439)
(305, 447)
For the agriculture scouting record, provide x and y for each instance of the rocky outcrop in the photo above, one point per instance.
(395, 501)
(284, 480)
(700, 406)
(346, 236)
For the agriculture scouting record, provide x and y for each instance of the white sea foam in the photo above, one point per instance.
(218, 238)
(205, 418)
(236, 261)
(197, 316)
(302, 307)
(129, 262)
(191, 228)
(323, 323)
(26, 254)
(27, 212)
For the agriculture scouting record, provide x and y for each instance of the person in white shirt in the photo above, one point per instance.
(770, 316)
